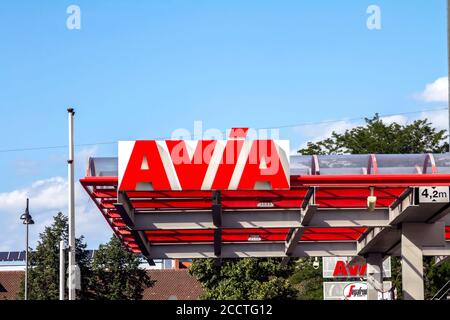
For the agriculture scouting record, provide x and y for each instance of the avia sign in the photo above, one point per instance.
(233, 164)
(355, 291)
(341, 267)
(345, 270)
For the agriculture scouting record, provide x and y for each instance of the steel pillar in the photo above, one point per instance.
(412, 263)
(62, 270)
(374, 275)
(71, 211)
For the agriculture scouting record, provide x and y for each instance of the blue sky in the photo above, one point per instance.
(141, 69)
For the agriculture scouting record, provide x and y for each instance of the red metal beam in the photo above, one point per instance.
(99, 181)
(122, 234)
(385, 180)
(244, 235)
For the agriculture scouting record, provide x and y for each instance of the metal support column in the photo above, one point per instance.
(448, 62)
(374, 275)
(71, 211)
(26, 262)
(217, 220)
(61, 270)
(412, 263)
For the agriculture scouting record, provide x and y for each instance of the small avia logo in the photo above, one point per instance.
(355, 291)
(233, 164)
(344, 269)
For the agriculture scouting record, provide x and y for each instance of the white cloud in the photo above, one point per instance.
(324, 130)
(400, 119)
(317, 132)
(436, 91)
(33, 168)
(47, 198)
(82, 156)
(26, 166)
(438, 118)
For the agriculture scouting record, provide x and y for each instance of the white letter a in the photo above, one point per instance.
(374, 20)
(74, 20)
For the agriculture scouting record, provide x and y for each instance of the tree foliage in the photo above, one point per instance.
(307, 280)
(378, 136)
(435, 277)
(396, 276)
(116, 274)
(248, 278)
(43, 274)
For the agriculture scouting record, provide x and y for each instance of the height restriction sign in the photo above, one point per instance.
(433, 194)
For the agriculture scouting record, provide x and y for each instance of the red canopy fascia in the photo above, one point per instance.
(333, 191)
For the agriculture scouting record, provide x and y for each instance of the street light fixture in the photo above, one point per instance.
(27, 220)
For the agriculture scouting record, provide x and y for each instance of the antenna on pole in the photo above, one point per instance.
(71, 211)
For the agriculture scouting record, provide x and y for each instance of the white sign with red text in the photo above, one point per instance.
(234, 164)
(354, 291)
(340, 267)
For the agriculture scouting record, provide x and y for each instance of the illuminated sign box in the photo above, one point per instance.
(234, 164)
(340, 267)
(354, 291)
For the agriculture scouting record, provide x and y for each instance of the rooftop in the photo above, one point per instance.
(169, 284)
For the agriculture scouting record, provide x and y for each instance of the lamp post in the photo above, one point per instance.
(448, 64)
(71, 211)
(27, 220)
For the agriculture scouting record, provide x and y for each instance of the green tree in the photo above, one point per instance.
(307, 280)
(435, 277)
(376, 136)
(248, 278)
(116, 274)
(396, 275)
(43, 275)
(379, 137)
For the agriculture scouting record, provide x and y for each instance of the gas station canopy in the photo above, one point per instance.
(324, 212)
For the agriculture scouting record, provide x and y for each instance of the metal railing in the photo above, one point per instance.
(442, 293)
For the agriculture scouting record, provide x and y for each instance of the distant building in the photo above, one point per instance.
(10, 284)
(172, 279)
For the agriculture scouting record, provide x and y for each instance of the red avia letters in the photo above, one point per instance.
(343, 269)
(233, 164)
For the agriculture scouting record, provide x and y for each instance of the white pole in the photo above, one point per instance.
(72, 262)
(448, 66)
(61, 270)
(26, 262)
